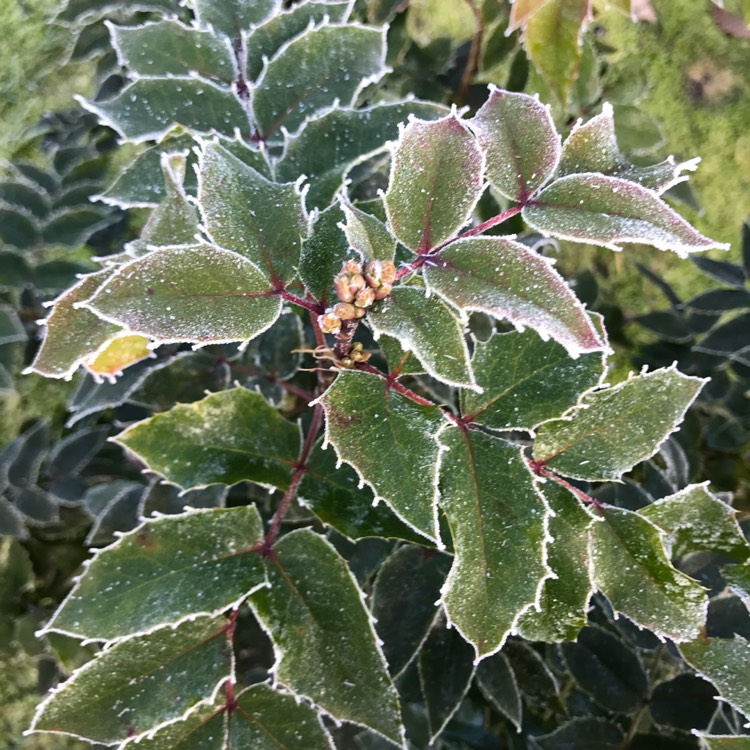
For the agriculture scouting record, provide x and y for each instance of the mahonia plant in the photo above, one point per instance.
(470, 451)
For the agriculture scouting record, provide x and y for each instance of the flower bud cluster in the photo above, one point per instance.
(357, 291)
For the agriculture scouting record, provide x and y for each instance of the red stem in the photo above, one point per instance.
(314, 307)
(541, 470)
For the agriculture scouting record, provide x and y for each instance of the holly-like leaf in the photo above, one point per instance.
(695, 519)
(118, 353)
(564, 600)
(325, 645)
(228, 437)
(141, 682)
(201, 294)
(327, 63)
(526, 381)
(72, 332)
(243, 211)
(164, 571)
(521, 143)
(592, 147)
(602, 210)
(725, 742)
(170, 48)
(429, 328)
(323, 253)
(498, 522)
(498, 684)
(725, 662)
(613, 429)
(631, 568)
(267, 719)
(510, 281)
(738, 579)
(436, 181)
(230, 17)
(390, 442)
(368, 235)
(324, 149)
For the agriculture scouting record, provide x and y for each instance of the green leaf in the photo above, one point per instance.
(553, 43)
(695, 519)
(582, 733)
(18, 227)
(333, 494)
(200, 294)
(26, 196)
(498, 521)
(390, 442)
(244, 212)
(148, 109)
(228, 437)
(526, 381)
(520, 141)
(508, 280)
(564, 600)
(266, 719)
(73, 226)
(368, 235)
(396, 357)
(606, 211)
(324, 149)
(726, 663)
(141, 682)
(592, 147)
(725, 742)
(404, 600)
(521, 11)
(323, 254)
(169, 48)
(73, 332)
(613, 429)
(11, 328)
(498, 684)
(738, 578)
(265, 40)
(230, 17)
(436, 181)
(429, 328)
(164, 571)
(631, 568)
(328, 63)
(326, 649)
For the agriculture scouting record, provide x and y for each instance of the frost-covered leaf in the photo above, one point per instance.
(244, 212)
(18, 227)
(384, 436)
(324, 149)
(327, 63)
(323, 253)
(200, 293)
(169, 48)
(72, 332)
(592, 147)
(498, 522)
(695, 519)
(323, 637)
(118, 353)
(148, 109)
(28, 196)
(163, 572)
(631, 568)
(526, 380)
(368, 235)
(581, 733)
(520, 141)
(498, 684)
(615, 428)
(730, 340)
(725, 742)
(510, 281)
(230, 17)
(73, 226)
(428, 327)
(267, 719)
(738, 578)
(404, 601)
(726, 663)
(564, 600)
(436, 180)
(602, 210)
(228, 437)
(141, 682)
(11, 328)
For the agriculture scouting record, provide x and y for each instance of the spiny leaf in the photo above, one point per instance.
(367, 234)
(429, 328)
(526, 381)
(498, 521)
(201, 294)
(435, 183)
(325, 645)
(613, 429)
(384, 436)
(630, 567)
(141, 682)
(323, 253)
(164, 571)
(230, 17)
(606, 211)
(228, 437)
(521, 144)
(510, 281)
